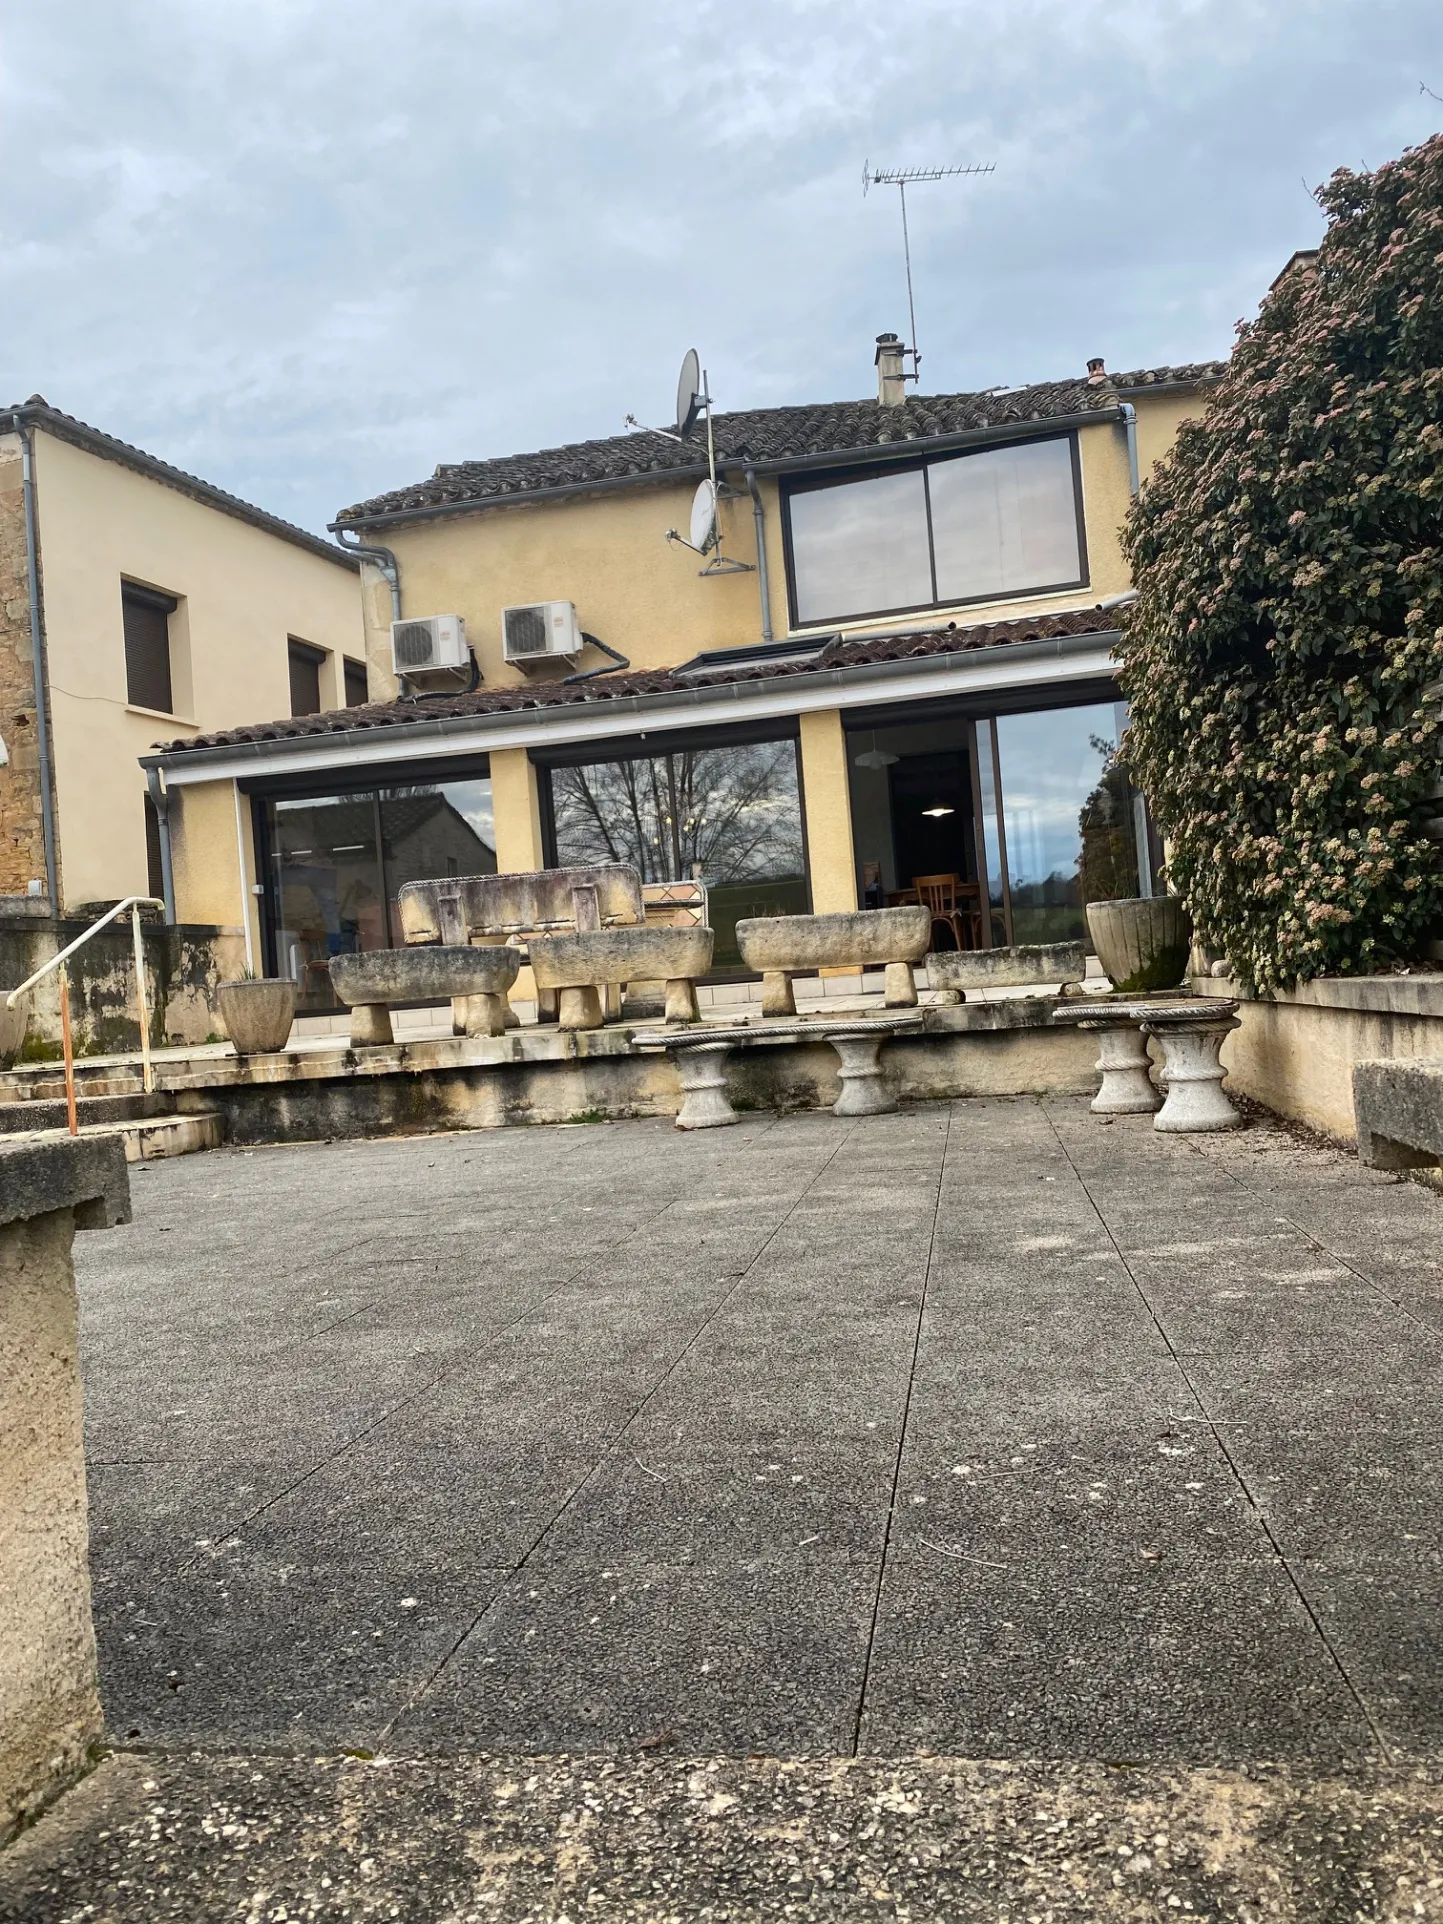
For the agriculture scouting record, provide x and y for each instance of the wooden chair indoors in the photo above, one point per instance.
(954, 904)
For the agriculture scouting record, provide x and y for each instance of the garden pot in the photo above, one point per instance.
(1143, 944)
(13, 1024)
(257, 1015)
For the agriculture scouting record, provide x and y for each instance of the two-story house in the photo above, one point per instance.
(138, 604)
(897, 663)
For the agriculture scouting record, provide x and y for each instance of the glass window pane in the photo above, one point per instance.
(434, 829)
(1067, 814)
(1004, 521)
(326, 880)
(731, 816)
(861, 547)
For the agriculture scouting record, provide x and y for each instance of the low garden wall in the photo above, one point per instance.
(184, 965)
(1295, 1050)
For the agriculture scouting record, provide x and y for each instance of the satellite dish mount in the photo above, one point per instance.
(693, 403)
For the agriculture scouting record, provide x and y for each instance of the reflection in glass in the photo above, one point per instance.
(1004, 521)
(860, 547)
(730, 816)
(1067, 818)
(337, 862)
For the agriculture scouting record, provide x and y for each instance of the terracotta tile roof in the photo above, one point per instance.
(838, 653)
(764, 436)
(37, 412)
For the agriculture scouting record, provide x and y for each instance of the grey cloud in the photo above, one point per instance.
(310, 252)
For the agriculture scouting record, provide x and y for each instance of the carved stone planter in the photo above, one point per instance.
(778, 945)
(1143, 944)
(257, 1015)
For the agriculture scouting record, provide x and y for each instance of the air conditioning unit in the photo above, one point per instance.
(435, 641)
(541, 629)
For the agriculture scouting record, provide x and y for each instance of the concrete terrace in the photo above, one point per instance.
(981, 1431)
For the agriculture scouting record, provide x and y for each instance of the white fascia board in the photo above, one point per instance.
(1016, 665)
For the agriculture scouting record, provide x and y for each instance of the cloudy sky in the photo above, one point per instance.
(309, 250)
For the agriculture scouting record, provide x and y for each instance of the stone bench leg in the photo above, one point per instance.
(864, 1089)
(777, 997)
(1193, 1078)
(547, 1006)
(371, 1026)
(611, 1001)
(580, 1008)
(681, 1001)
(482, 1014)
(901, 986)
(1127, 1088)
(702, 1074)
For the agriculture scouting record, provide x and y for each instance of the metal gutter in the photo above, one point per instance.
(869, 454)
(1008, 664)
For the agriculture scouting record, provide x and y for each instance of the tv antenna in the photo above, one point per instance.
(902, 178)
(693, 403)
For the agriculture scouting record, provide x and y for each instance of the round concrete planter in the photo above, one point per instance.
(1142, 944)
(257, 1015)
(13, 1024)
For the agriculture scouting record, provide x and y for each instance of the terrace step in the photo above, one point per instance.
(48, 1111)
(148, 1138)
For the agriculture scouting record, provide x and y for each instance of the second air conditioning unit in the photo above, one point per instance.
(539, 629)
(433, 641)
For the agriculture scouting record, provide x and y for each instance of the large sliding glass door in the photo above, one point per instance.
(334, 865)
(728, 814)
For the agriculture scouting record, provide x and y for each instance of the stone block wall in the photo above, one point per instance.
(22, 838)
(50, 1713)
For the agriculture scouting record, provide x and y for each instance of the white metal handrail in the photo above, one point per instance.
(135, 903)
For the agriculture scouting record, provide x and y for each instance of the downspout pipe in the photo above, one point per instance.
(382, 557)
(1129, 428)
(161, 801)
(37, 658)
(763, 585)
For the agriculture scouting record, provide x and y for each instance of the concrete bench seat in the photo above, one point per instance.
(475, 980)
(1030, 965)
(780, 946)
(701, 1059)
(1398, 1106)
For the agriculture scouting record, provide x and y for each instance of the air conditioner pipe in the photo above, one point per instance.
(587, 674)
(37, 657)
(161, 801)
(763, 585)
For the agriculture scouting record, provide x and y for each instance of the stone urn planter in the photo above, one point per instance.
(1143, 944)
(13, 1025)
(257, 1014)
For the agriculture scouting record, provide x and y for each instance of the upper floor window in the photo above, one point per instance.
(146, 613)
(305, 664)
(928, 534)
(355, 673)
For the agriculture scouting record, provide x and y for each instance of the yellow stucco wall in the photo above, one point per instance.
(827, 802)
(242, 592)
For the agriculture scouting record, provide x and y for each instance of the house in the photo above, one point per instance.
(155, 606)
(896, 662)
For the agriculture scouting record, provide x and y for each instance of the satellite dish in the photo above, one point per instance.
(703, 517)
(688, 394)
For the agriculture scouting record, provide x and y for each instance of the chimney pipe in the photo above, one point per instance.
(891, 386)
(1096, 371)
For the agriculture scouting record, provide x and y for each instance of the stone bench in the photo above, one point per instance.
(701, 1059)
(1190, 1033)
(578, 967)
(956, 971)
(780, 946)
(1398, 1108)
(474, 980)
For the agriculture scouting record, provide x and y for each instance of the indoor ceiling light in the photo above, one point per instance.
(875, 757)
(939, 808)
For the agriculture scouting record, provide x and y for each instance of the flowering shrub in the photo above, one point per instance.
(1288, 556)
